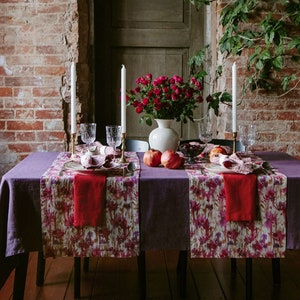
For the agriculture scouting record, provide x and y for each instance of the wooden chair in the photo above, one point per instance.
(136, 145)
(130, 145)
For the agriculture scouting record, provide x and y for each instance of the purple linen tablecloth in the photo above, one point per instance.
(164, 205)
(164, 208)
(291, 168)
(20, 193)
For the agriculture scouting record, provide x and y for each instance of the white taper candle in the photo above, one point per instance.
(234, 97)
(123, 99)
(73, 98)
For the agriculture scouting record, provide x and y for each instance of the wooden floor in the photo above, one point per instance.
(117, 279)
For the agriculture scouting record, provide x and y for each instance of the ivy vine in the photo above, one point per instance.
(269, 31)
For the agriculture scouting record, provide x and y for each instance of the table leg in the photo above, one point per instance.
(248, 278)
(77, 271)
(40, 270)
(181, 269)
(86, 264)
(276, 271)
(142, 274)
(233, 264)
(20, 276)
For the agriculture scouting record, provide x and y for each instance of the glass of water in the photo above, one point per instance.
(247, 134)
(114, 136)
(88, 133)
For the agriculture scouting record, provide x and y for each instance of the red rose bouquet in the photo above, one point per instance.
(165, 98)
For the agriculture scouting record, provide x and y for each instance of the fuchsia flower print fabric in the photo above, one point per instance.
(120, 236)
(210, 234)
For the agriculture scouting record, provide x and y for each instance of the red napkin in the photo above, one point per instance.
(240, 193)
(89, 199)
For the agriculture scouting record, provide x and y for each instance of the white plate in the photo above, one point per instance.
(217, 168)
(76, 166)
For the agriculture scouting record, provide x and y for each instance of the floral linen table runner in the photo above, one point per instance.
(118, 238)
(212, 237)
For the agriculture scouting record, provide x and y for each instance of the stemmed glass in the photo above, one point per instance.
(88, 133)
(205, 130)
(114, 136)
(247, 135)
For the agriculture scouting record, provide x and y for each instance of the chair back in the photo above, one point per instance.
(136, 145)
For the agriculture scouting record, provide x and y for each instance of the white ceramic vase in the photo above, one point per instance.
(164, 137)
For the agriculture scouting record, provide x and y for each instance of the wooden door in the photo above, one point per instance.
(155, 37)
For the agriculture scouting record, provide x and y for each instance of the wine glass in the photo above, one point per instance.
(205, 130)
(88, 133)
(247, 135)
(114, 136)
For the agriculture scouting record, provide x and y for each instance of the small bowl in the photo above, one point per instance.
(191, 150)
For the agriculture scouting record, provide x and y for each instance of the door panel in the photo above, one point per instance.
(147, 37)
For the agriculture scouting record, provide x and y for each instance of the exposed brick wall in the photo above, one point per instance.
(38, 41)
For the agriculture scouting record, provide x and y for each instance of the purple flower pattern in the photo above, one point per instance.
(120, 236)
(212, 237)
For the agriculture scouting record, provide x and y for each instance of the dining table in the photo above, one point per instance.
(164, 205)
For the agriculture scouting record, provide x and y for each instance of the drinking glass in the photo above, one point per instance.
(88, 133)
(205, 130)
(247, 135)
(114, 136)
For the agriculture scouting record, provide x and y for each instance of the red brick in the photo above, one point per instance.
(23, 81)
(49, 70)
(49, 50)
(45, 92)
(27, 147)
(25, 136)
(22, 104)
(7, 114)
(5, 92)
(7, 136)
(24, 125)
(49, 114)
(288, 115)
(25, 114)
(50, 136)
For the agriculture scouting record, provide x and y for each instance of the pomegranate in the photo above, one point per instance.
(171, 160)
(152, 158)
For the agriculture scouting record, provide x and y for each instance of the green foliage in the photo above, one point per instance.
(273, 39)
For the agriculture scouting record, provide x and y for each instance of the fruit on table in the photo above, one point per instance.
(216, 151)
(152, 158)
(171, 159)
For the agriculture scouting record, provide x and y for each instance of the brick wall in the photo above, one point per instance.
(38, 41)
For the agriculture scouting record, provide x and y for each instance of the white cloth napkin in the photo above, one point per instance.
(237, 163)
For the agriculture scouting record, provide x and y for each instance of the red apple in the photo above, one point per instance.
(152, 158)
(171, 160)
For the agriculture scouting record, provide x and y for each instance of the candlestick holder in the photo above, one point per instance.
(73, 142)
(234, 135)
(123, 158)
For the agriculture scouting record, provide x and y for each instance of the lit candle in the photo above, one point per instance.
(73, 99)
(234, 97)
(123, 99)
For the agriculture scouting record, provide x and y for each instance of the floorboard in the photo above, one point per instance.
(114, 279)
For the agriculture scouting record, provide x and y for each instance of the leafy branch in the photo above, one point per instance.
(269, 31)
